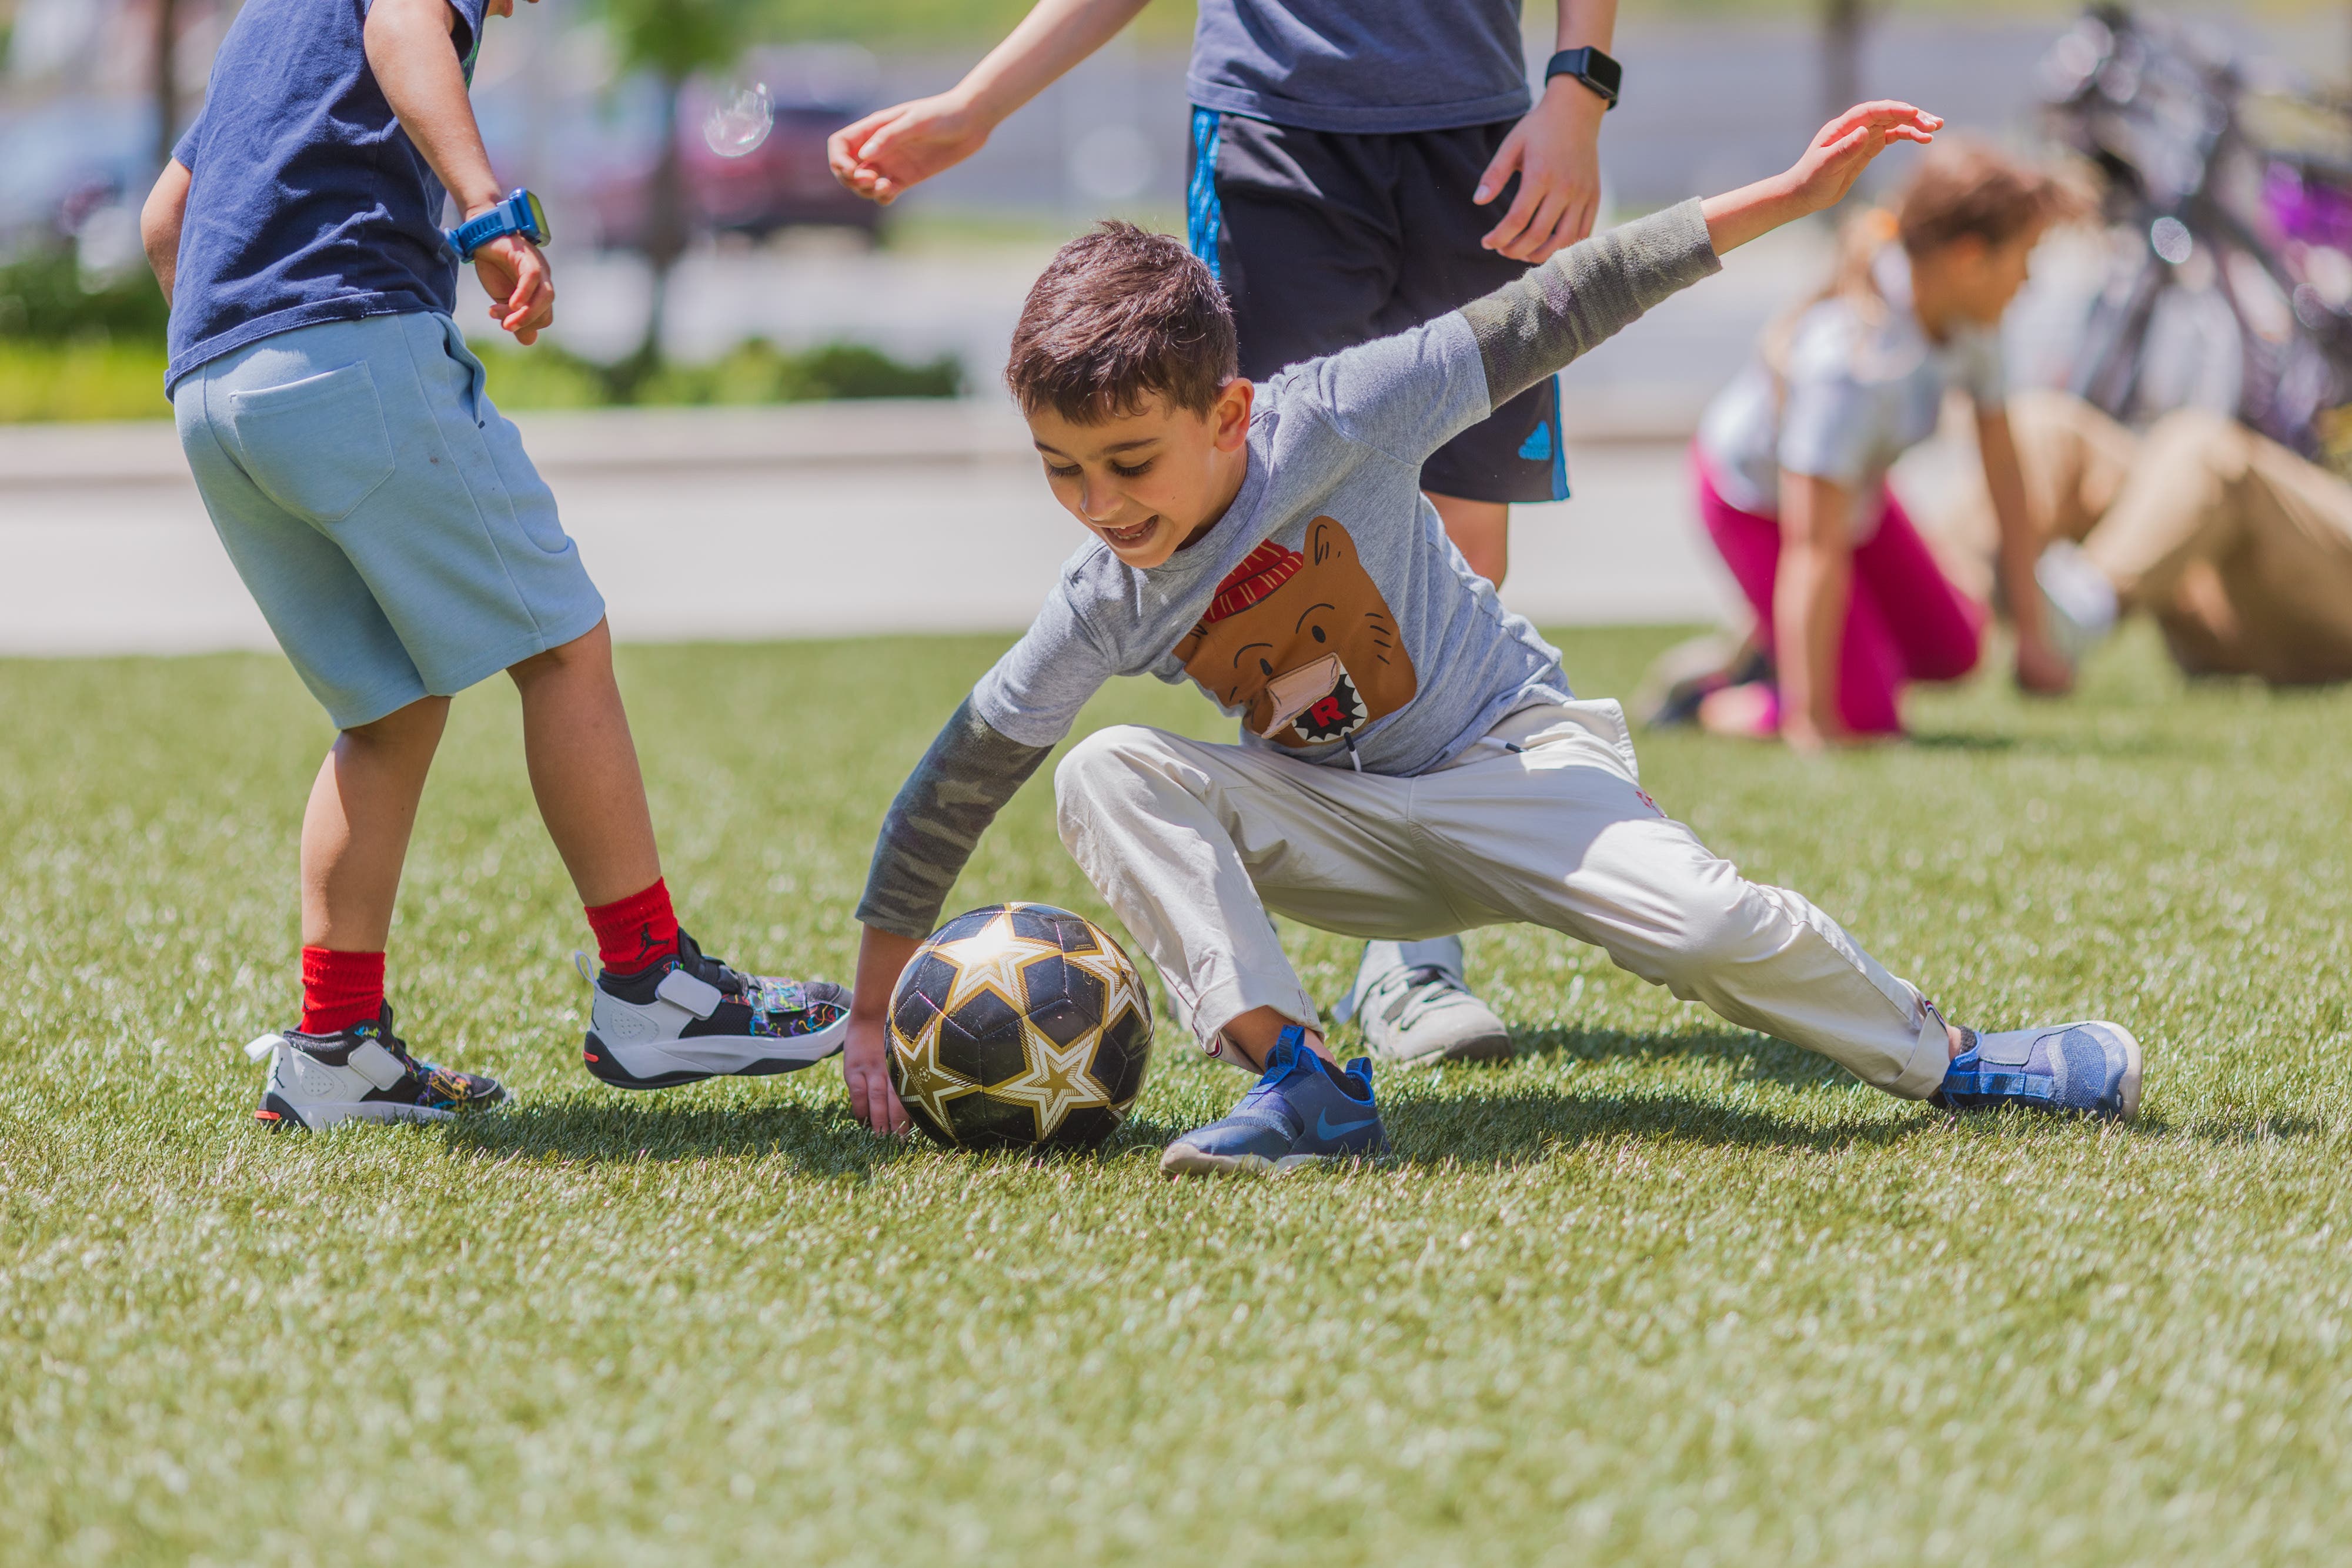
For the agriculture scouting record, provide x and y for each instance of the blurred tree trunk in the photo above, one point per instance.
(1843, 25)
(167, 79)
(666, 232)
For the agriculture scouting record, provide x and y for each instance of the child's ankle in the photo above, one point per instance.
(635, 932)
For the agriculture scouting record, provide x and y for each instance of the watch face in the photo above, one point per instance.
(539, 231)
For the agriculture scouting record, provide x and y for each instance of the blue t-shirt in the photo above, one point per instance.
(309, 203)
(1343, 65)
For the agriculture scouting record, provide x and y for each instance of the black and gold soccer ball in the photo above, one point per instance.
(1019, 1025)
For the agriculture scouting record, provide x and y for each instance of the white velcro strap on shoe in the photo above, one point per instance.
(698, 997)
(375, 1064)
(263, 1047)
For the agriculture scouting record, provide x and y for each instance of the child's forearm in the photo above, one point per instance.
(160, 221)
(1535, 324)
(1753, 211)
(882, 958)
(416, 63)
(1054, 37)
(2019, 549)
(953, 794)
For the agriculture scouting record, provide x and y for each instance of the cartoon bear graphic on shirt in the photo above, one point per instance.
(1303, 642)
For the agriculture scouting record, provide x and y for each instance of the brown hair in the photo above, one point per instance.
(1961, 189)
(1119, 314)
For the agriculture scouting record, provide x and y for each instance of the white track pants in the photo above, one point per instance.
(1191, 843)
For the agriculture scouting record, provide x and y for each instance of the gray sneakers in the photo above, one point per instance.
(1415, 1008)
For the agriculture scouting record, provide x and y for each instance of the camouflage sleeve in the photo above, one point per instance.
(1535, 324)
(954, 793)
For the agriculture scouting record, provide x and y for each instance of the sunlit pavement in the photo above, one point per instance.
(818, 521)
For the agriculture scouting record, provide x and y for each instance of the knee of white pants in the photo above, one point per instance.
(1098, 770)
(1716, 921)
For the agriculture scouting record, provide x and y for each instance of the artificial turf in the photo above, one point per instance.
(1658, 1292)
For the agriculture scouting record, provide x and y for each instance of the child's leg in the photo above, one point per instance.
(1191, 844)
(2214, 509)
(355, 830)
(1935, 627)
(1870, 667)
(584, 768)
(1560, 834)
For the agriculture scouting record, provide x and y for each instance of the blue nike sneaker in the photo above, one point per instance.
(1301, 1111)
(2090, 1069)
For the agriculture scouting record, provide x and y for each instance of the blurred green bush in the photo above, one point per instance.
(68, 352)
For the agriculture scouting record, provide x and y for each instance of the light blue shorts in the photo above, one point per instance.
(382, 512)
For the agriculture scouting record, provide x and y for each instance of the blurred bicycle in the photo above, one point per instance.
(2231, 196)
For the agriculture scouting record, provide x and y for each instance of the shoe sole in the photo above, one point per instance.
(280, 1114)
(658, 1066)
(1183, 1160)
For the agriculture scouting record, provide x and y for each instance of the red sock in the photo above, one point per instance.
(340, 989)
(635, 931)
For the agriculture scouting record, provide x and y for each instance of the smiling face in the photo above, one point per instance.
(1151, 482)
(1303, 642)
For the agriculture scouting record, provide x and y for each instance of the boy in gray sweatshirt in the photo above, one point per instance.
(1412, 761)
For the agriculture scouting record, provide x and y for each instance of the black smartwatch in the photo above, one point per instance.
(1590, 66)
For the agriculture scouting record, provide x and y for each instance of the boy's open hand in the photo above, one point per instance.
(1555, 152)
(521, 284)
(1821, 178)
(1845, 146)
(892, 148)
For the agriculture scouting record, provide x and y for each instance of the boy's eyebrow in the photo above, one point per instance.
(1114, 447)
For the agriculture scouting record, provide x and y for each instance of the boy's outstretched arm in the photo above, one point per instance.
(954, 793)
(412, 50)
(1535, 324)
(892, 148)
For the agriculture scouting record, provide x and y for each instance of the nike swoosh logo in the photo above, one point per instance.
(1325, 1130)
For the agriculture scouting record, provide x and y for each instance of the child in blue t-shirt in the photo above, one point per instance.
(393, 532)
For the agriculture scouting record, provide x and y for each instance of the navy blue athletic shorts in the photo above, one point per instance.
(1324, 239)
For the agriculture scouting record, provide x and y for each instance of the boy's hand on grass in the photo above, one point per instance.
(892, 148)
(1820, 179)
(521, 284)
(865, 1068)
(1555, 150)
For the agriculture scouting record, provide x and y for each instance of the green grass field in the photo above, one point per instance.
(1659, 1292)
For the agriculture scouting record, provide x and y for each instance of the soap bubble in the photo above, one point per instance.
(739, 121)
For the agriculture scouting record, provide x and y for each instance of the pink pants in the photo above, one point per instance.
(1904, 620)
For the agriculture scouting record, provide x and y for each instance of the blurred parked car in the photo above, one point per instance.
(782, 184)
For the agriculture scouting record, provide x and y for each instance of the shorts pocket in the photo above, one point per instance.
(318, 447)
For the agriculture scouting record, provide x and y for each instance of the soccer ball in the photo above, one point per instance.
(1019, 1025)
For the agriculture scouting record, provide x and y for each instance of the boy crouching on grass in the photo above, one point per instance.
(1412, 762)
(388, 523)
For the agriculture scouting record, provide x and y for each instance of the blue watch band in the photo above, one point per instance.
(519, 214)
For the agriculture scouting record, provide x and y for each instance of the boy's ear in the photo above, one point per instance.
(1229, 416)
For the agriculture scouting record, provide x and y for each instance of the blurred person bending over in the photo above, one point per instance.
(1357, 170)
(1792, 460)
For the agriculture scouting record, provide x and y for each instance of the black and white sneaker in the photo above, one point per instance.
(690, 1018)
(363, 1073)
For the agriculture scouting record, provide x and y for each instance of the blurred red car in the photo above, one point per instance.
(782, 184)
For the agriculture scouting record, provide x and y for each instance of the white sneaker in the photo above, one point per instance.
(363, 1075)
(689, 1017)
(2077, 600)
(1415, 1008)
